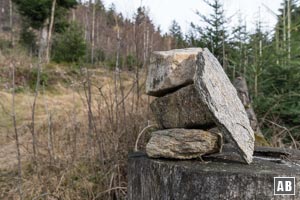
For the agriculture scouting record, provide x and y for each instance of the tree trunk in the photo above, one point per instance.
(43, 43)
(47, 56)
(277, 42)
(93, 33)
(289, 29)
(284, 29)
(11, 22)
(116, 76)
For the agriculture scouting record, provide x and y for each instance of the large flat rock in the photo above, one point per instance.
(157, 179)
(220, 97)
(182, 143)
(169, 70)
(181, 109)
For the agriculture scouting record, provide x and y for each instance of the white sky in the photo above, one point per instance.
(162, 12)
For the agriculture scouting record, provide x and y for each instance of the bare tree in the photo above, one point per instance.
(284, 26)
(36, 93)
(289, 29)
(120, 78)
(49, 133)
(50, 31)
(117, 69)
(11, 22)
(16, 133)
(93, 32)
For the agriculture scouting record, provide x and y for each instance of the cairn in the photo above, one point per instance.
(194, 97)
(195, 104)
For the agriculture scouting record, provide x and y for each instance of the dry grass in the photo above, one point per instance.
(79, 161)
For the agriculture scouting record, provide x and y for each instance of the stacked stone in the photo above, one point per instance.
(194, 96)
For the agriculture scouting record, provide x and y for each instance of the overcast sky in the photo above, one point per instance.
(162, 12)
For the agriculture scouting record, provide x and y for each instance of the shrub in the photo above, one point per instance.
(28, 39)
(69, 46)
(33, 78)
(130, 62)
(5, 45)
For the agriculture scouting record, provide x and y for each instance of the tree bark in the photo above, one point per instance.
(289, 29)
(47, 56)
(43, 43)
(284, 28)
(93, 33)
(11, 22)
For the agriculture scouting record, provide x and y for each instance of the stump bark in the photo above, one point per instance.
(162, 179)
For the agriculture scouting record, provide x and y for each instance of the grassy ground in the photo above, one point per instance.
(81, 152)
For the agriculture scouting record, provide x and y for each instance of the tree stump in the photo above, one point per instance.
(162, 179)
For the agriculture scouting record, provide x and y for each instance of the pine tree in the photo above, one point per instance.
(38, 11)
(214, 35)
(176, 33)
(238, 56)
(37, 14)
(274, 71)
(69, 46)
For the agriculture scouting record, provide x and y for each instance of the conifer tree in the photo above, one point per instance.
(176, 33)
(37, 14)
(214, 33)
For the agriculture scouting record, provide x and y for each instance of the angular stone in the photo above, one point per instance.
(240, 85)
(220, 96)
(181, 109)
(169, 70)
(182, 143)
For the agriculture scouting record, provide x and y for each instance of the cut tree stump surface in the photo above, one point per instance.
(163, 179)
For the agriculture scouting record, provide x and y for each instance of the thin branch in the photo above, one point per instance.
(287, 130)
(16, 134)
(140, 134)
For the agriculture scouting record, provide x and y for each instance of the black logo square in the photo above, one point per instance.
(284, 185)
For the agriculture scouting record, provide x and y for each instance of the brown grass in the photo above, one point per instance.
(84, 162)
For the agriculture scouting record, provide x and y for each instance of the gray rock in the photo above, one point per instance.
(220, 96)
(243, 93)
(169, 70)
(242, 90)
(182, 143)
(181, 109)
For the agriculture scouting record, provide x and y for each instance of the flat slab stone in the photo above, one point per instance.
(220, 96)
(181, 109)
(157, 179)
(182, 143)
(169, 70)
